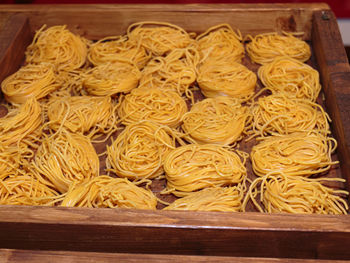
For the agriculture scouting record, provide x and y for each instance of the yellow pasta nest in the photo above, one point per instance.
(193, 167)
(26, 190)
(59, 46)
(263, 48)
(216, 199)
(157, 37)
(105, 191)
(10, 158)
(294, 154)
(65, 158)
(292, 77)
(296, 194)
(222, 76)
(111, 78)
(83, 114)
(30, 81)
(279, 114)
(116, 48)
(221, 41)
(21, 126)
(163, 107)
(176, 71)
(139, 151)
(219, 120)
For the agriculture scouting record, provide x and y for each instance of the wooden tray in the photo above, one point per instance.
(187, 233)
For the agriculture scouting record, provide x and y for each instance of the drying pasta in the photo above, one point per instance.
(59, 46)
(157, 105)
(216, 199)
(299, 195)
(193, 167)
(30, 81)
(292, 77)
(221, 41)
(26, 190)
(139, 151)
(116, 48)
(219, 120)
(176, 71)
(225, 77)
(111, 78)
(21, 126)
(280, 114)
(105, 191)
(65, 158)
(10, 158)
(263, 48)
(157, 37)
(83, 114)
(293, 154)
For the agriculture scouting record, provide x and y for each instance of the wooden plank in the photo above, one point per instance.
(180, 232)
(335, 75)
(14, 38)
(31, 256)
(98, 21)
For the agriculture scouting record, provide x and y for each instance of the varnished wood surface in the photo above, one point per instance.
(31, 256)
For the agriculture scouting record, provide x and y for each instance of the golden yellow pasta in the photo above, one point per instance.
(176, 71)
(139, 151)
(193, 167)
(217, 199)
(296, 194)
(293, 154)
(105, 191)
(116, 48)
(10, 158)
(219, 120)
(263, 48)
(59, 46)
(30, 81)
(158, 37)
(292, 77)
(280, 114)
(157, 105)
(83, 114)
(111, 78)
(65, 158)
(225, 77)
(221, 41)
(26, 190)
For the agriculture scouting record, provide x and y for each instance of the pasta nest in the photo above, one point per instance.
(65, 158)
(26, 190)
(225, 77)
(59, 46)
(296, 194)
(30, 81)
(116, 48)
(216, 199)
(10, 160)
(292, 77)
(21, 126)
(193, 167)
(105, 191)
(221, 41)
(293, 154)
(264, 48)
(139, 151)
(157, 105)
(111, 78)
(158, 38)
(83, 114)
(278, 114)
(176, 71)
(219, 120)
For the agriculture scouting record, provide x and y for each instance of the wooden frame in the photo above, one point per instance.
(186, 233)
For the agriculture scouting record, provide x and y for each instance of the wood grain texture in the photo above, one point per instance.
(31, 256)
